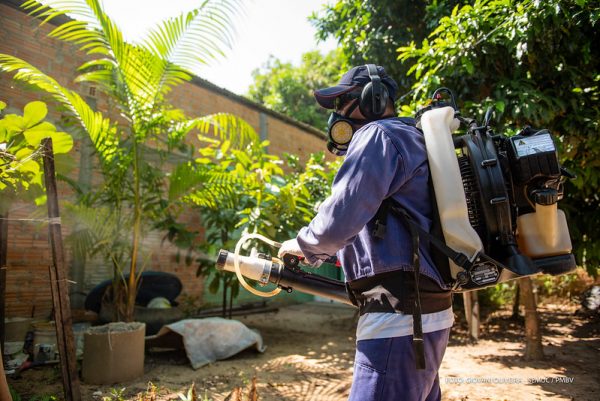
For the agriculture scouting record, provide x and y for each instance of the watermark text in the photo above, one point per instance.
(510, 380)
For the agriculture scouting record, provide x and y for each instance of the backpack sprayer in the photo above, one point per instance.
(503, 225)
(506, 223)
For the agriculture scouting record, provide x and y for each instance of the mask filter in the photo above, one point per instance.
(340, 131)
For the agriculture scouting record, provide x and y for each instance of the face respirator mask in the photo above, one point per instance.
(372, 100)
(340, 130)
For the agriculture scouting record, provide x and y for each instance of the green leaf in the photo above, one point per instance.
(214, 285)
(43, 126)
(34, 112)
(239, 169)
(61, 141)
(41, 200)
(468, 64)
(2, 105)
(500, 106)
(35, 137)
(23, 153)
(225, 146)
(29, 166)
(14, 123)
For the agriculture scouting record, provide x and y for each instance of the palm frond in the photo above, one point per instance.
(190, 179)
(225, 126)
(101, 131)
(213, 197)
(76, 9)
(139, 76)
(125, 71)
(84, 28)
(89, 26)
(96, 230)
(78, 33)
(192, 39)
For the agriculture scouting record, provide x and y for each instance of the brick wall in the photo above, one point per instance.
(28, 257)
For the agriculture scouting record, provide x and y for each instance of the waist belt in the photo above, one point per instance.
(394, 292)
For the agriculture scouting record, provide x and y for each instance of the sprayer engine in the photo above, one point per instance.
(534, 169)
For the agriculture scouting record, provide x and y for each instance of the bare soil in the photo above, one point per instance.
(310, 355)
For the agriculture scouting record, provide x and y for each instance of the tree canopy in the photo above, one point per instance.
(370, 31)
(288, 89)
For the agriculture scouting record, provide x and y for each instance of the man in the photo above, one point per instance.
(385, 158)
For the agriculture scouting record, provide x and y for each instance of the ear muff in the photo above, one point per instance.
(374, 96)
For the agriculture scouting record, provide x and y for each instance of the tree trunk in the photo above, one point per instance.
(515, 309)
(471, 303)
(533, 333)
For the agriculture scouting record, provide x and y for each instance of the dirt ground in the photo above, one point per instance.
(310, 355)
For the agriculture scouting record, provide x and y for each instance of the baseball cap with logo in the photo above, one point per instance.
(356, 78)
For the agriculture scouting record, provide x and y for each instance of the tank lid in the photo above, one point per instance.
(221, 259)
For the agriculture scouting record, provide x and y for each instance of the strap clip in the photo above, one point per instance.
(379, 229)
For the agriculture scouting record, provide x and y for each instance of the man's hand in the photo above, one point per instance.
(290, 246)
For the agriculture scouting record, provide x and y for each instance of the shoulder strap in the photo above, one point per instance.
(389, 204)
(379, 232)
(418, 342)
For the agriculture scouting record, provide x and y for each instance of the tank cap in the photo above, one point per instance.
(546, 197)
(221, 259)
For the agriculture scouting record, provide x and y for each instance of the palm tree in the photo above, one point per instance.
(132, 148)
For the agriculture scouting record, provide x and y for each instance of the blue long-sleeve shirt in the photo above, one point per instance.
(386, 158)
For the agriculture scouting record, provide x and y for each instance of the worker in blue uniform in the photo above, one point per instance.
(384, 159)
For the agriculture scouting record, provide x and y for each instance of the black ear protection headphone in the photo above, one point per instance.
(374, 96)
(372, 103)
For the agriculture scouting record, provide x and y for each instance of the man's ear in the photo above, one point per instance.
(390, 109)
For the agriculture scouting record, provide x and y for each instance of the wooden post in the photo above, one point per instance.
(4, 391)
(533, 333)
(3, 251)
(515, 309)
(59, 284)
(472, 313)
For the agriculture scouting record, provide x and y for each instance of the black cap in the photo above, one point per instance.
(357, 77)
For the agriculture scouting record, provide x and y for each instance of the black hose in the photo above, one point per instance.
(310, 283)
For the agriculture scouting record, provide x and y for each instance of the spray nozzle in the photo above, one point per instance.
(254, 255)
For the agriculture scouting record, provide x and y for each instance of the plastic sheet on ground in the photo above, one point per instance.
(210, 339)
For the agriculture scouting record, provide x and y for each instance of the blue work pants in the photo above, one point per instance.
(385, 369)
